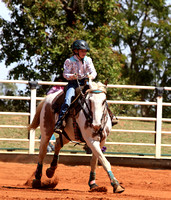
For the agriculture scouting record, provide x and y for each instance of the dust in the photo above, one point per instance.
(30, 180)
(98, 189)
(49, 182)
(46, 183)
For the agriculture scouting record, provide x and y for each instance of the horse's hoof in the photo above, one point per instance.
(36, 183)
(118, 188)
(50, 172)
(93, 186)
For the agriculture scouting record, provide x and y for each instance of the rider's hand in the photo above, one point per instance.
(75, 76)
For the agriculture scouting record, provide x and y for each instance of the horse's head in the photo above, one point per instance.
(97, 101)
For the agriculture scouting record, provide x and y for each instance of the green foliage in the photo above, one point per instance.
(147, 39)
(149, 25)
(41, 33)
(5, 87)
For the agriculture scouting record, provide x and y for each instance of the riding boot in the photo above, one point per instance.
(58, 125)
(114, 119)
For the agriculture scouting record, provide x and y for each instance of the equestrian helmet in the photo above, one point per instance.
(80, 44)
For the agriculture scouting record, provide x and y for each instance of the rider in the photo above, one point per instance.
(78, 66)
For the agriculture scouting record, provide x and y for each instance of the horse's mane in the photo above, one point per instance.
(97, 86)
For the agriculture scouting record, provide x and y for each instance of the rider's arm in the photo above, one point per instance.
(90, 68)
(69, 71)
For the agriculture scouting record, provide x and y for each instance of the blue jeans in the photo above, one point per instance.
(70, 93)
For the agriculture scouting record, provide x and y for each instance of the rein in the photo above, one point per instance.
(103, 121)
(88, 115)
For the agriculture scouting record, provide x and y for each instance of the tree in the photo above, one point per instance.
(39, 36)
(149, 26)
(5, 87)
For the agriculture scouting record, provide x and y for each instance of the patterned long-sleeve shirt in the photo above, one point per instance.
(75, 66)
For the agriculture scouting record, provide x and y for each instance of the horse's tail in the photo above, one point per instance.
(36, 120)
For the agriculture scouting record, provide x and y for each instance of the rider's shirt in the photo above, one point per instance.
(74, 65)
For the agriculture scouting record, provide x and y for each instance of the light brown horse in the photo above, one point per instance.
(94, 123)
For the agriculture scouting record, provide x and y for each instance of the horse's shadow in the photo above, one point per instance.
(24, 187)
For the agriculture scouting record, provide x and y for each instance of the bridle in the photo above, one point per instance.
(86, 108)
(104, 115)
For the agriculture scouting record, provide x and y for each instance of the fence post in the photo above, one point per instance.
(33, 85)
(159, 91)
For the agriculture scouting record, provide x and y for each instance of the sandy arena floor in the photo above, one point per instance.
(139, 183)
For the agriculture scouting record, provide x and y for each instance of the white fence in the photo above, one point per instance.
(158, 119)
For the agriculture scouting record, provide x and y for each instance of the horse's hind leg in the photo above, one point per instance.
(51, 170)
(42, 152)
(60, 141)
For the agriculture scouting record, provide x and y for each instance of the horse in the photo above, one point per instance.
(94, 124)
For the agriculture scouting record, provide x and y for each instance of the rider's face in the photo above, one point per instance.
(82, 53)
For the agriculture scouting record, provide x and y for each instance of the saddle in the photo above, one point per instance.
(59, 99)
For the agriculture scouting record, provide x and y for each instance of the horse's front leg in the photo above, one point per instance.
(93, 164)
(60, 142)
(92, 179)
(95, 147)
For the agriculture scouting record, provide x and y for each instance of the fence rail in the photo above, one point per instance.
(158, 119)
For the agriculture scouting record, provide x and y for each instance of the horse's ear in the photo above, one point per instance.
(106, 82)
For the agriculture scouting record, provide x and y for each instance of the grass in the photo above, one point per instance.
(113, 137)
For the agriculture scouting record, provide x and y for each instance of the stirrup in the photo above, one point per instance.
(57, 130)
(58, 127)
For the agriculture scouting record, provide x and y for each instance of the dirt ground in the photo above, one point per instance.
(139, 183)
